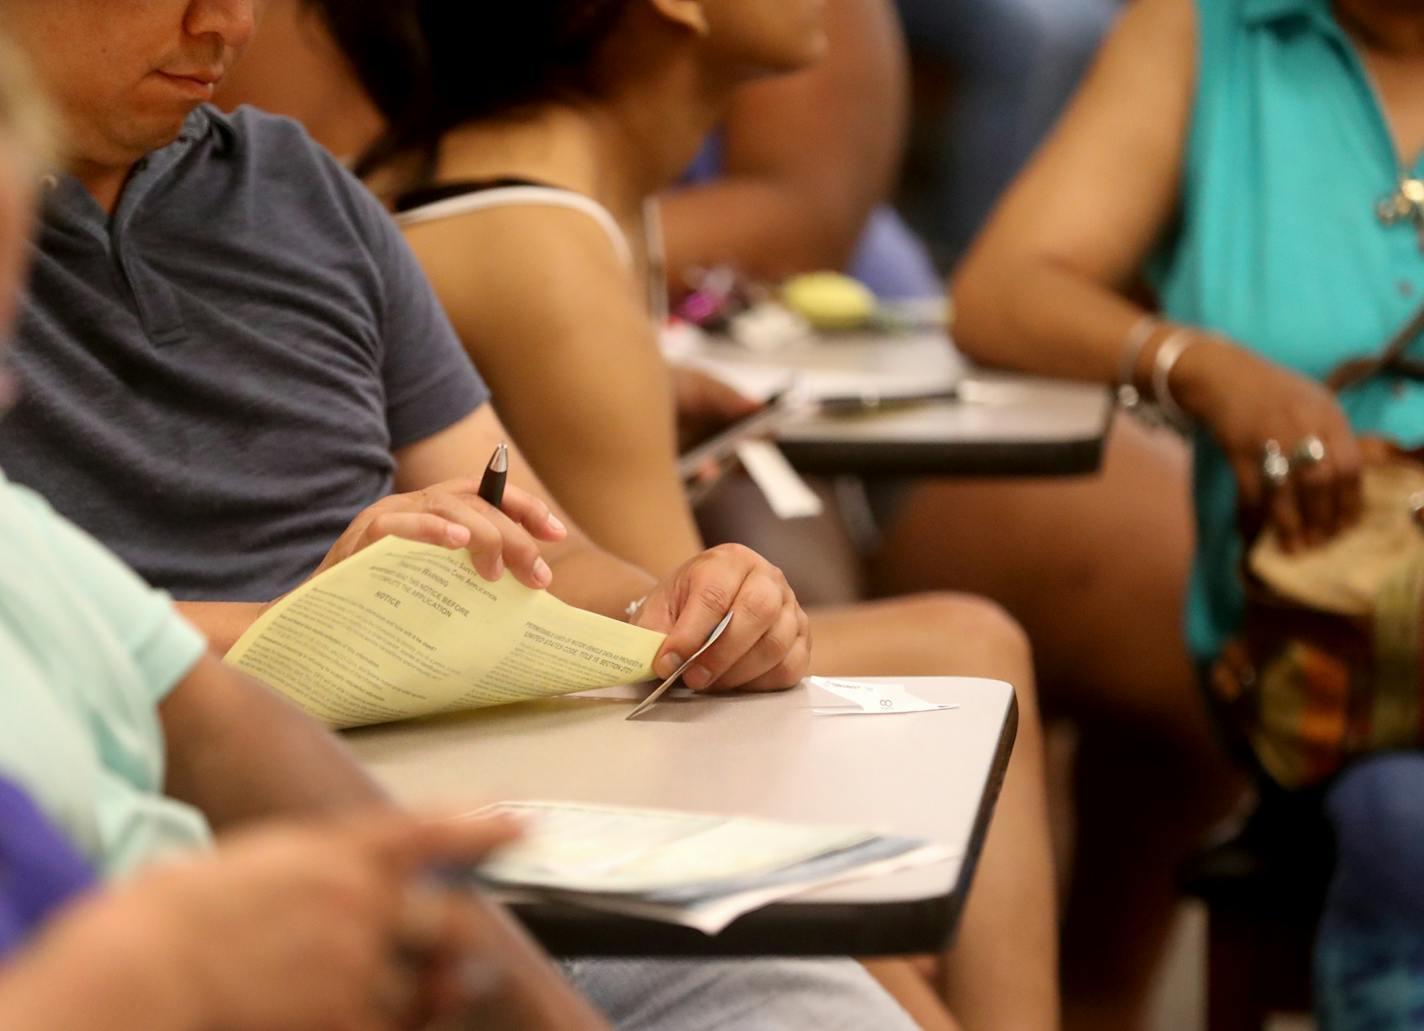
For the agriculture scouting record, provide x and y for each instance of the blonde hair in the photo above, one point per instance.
(25, 120)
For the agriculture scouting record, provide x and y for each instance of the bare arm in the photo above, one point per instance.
(1042, 288)
(239, 752)
(77, 986)
(596, 419)
(291, 925)
(767, 648)
(805, 158)
(768, 624)
(584, 575)
(222, 622)
(438, 477)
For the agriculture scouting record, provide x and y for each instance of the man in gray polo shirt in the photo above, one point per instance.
(236, 374)
(232, 361)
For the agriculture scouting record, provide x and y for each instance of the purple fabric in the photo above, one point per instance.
(39, 868)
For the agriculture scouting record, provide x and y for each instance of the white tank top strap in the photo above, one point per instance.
(508, 196)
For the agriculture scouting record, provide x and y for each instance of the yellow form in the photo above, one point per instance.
(403, 629)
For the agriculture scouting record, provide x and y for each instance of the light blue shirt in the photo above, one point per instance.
(87, 652)
(1280, 248)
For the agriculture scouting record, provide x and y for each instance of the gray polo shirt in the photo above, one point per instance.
(214, 378)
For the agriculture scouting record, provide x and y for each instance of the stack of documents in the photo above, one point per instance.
(693, 869)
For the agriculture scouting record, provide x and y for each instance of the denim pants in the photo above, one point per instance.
(1370, 953)
(759, 994)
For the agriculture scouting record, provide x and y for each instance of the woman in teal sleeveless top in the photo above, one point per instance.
(1238, 154)
(1280, 244)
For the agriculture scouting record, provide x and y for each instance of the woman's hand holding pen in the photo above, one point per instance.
(453, 515)
(766, 647)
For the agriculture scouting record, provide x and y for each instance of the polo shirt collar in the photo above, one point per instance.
(203, 123)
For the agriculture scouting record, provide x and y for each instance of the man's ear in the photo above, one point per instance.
(690, 14)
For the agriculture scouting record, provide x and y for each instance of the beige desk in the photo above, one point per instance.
(934, 775)
(1008, 424)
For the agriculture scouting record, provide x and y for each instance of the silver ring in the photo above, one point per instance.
(1275, 466)
(1310, 451)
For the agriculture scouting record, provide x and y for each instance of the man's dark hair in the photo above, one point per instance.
(431, 65)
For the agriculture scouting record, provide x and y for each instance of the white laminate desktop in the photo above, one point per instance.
(1007, 423)
(932, 775)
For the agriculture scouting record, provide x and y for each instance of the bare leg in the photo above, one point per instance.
(1002, 974)
(816, 554)
(900, 978)
(1095, 570)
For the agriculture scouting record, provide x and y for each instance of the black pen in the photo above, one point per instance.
(492, 483)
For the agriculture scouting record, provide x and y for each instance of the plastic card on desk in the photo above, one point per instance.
(865, 698)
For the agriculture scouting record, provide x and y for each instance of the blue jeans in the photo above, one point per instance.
(1370, 953)
(762, 994)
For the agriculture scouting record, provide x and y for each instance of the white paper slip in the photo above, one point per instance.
(875, 363)
(634, 850)
(667, 684)
(785, 492)
(863, 698)
(697, 869)
(713, 915)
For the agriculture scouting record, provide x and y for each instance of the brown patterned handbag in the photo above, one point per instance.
(1326, 667)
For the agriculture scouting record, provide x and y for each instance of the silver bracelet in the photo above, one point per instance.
(1128, 396)
(1163, 362)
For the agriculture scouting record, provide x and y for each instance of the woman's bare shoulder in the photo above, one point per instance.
(521, 265)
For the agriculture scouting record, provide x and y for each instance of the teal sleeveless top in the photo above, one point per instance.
(1279, 246)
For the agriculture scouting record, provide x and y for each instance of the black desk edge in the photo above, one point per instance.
(1072, 457)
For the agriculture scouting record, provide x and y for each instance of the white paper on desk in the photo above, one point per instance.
(713, 917)
(862, 698)
(623, 849)
(834, 368)
(781, 485)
